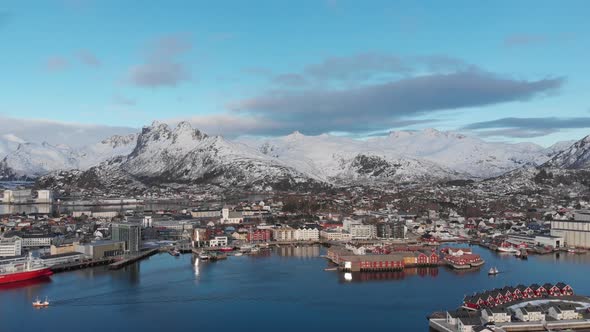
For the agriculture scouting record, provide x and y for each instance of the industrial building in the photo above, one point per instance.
(576, 232)
(101, 249)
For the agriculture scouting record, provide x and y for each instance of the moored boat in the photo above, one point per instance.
(493, 271)
(31, 268)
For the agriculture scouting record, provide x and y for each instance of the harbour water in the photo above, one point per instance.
(285, 289)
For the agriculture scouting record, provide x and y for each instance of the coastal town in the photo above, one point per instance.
(363, 232)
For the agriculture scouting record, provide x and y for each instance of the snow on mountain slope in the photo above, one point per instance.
(25, 159)
(183, 156)
(337, 159)
(577, 156)
(113, 146)
(451, 151)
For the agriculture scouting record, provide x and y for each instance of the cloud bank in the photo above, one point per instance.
(54, 132)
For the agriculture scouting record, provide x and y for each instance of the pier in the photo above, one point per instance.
(81, 265)
(124, 262)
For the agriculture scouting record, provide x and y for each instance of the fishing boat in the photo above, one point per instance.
(204, 256)
(493, 271)
(226, 249)
(38, 304)
(174, 252)
(31, 268)
(505, 247)
(238, 254)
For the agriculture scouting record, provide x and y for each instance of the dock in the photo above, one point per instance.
(81, 265)
(124, 262)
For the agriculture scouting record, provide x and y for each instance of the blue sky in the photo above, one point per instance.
(502, 70)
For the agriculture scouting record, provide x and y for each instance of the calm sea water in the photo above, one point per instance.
(284, 290)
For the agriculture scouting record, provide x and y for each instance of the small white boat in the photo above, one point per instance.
(204, 256)
(493, 271)
(238, 254)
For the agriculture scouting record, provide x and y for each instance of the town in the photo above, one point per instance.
(364, 231)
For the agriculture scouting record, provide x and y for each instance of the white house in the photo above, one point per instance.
(529, 313)
(496, 315)
(563, 311)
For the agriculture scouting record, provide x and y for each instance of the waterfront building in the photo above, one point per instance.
(44, 197)
(218, 241)
(306, 234)
(130, 233)
(284, 233)
(69, 257)
(63, 248)
(392, 230)
(26, 196)
(259, 235)
(562, 311)
(529, 313)
(495, 315)
(10, 246)
(576, 232)
(101, 249)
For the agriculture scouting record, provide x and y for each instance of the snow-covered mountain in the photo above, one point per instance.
(183, 156)
(468, 156)
(30, 160)
(577, 156)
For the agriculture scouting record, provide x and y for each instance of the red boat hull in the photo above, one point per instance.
(22, 276)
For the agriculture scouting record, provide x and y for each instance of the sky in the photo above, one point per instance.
(500, 70)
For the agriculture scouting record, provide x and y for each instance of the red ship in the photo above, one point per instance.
(23, 270)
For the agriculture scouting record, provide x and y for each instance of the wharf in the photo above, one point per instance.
(133, 259)
(81, 265)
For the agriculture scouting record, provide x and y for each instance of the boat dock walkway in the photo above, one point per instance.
(81, 265)
(119, 264)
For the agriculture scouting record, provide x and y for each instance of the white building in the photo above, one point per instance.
(495, 315)
(307, 234)
(335, 236)
(44, 197)
(11, 246)
(575, 233)
(231, 217)
(146, 222)
(363, 232)
(283, 234)
(218, 241)
(36, 241)
(530, 313)
(348, 223)
(206, 213)
(563, 311)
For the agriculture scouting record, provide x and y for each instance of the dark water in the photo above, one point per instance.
(286, 290)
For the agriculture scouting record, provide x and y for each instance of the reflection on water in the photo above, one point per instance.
(430, 272)
(299, 251)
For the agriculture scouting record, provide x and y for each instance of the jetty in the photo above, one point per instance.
(81, 265)
(132, 259)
